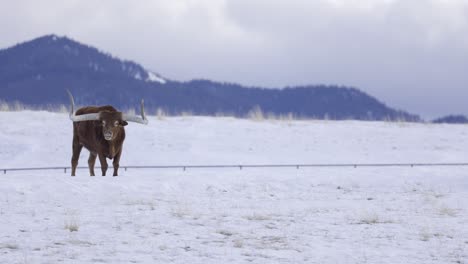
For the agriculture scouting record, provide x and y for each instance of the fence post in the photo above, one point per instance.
(64, 170)
(4, 171)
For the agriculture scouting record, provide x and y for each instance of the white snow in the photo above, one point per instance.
(137, 76)
(316, 215)
(94, 66)
(153, 77)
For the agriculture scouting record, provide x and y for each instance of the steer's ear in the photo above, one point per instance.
(123, 123)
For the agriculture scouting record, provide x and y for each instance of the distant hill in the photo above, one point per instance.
(452, 119)
(37, 73)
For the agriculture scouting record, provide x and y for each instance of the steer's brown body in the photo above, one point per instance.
(100, 129)
(90, 134)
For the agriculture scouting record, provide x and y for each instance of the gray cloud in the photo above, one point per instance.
(410, 54)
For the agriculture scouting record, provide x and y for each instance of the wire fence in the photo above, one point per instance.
(240, 166)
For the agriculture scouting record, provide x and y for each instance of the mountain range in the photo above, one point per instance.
(37, 72)
(451, 119)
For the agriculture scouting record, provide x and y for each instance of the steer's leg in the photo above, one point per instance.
(76, 154)
(116, 162)
(104, 166)
(91, 162)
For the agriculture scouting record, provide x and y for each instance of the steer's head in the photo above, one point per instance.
(111, 123)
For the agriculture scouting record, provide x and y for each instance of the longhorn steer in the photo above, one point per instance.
(100, 129)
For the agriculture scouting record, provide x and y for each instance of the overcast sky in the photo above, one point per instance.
(411, 54)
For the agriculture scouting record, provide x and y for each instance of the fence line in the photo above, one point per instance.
(240, 166)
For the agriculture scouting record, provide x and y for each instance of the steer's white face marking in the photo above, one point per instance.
(107, 128)
(112, 124)
(108, 135)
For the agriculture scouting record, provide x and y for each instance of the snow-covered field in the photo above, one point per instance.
(282, 215)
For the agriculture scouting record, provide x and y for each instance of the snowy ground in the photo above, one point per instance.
(316, 215)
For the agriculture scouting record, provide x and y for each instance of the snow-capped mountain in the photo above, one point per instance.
(37, 72)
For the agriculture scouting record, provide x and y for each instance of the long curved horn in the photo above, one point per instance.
(79, 118)
(137, 119)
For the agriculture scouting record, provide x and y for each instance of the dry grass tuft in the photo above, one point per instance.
(72, 224)
(161, 114)
(256, 114)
